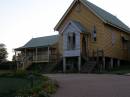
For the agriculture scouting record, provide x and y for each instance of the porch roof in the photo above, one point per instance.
(40, 42)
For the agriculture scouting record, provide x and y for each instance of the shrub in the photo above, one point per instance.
(36, 84)
(43, 94)
(20, 73)
(50, 86)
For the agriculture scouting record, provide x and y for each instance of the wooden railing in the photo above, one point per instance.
(43, 58)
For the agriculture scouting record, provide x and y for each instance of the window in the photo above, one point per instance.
(94, 33)
(125, 42)
(71, 41)
(125, 45)
(113, 38)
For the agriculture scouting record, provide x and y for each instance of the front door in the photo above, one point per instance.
(84, 46)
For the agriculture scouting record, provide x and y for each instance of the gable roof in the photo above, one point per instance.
(105, 16)
(41, 42)
(80, 26)
(77, 25)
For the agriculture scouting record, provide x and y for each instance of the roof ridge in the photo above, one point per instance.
(106, 16)
(45, 36)
(99, 7)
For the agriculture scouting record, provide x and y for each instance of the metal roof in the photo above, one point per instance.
(105, 16)
(41, 42)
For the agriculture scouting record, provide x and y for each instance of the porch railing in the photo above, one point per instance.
(43, 58)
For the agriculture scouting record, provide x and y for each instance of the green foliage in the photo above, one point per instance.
(20, 73)
(3, 53)
(50, 86)
(19, 84)
(43, 94)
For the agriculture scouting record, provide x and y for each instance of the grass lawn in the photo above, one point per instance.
(8, 86)
(123, 69)
(23, 84)
(120, 71)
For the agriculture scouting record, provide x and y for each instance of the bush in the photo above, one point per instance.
(20, 73)
(34, 84)
(43, 94)
(50, 86)
(9, 65)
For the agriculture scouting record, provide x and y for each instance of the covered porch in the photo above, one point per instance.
(38, 54)
(37, 50)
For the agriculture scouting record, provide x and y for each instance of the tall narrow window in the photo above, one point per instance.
(94, 33)
(125, 45)
(125, 42)
(71, 41)
(113, 38)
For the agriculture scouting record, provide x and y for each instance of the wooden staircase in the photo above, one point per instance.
(27, 64)
(24, 64)
(92, 65)
(88, 65)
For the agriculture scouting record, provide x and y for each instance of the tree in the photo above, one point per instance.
(3, 52)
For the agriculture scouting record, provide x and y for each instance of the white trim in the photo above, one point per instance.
(63, 17)
(77, 28)
(36, 53)
(118, 27)
(68, 10)
(64, 64)
(48, 54)
(65, 27)
(73, 3)
(71, 23)
(79, 63)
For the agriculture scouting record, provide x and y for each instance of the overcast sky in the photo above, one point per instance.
(20, 20)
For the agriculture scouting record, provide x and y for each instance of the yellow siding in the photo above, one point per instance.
(104, 35)
(88, 19)
(116, 50)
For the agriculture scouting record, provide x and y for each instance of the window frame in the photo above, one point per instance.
(71, 41)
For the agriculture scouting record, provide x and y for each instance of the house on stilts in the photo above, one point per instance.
(89, 39)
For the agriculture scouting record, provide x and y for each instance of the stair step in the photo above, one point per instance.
(88, 66)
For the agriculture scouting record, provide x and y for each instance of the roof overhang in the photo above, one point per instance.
(68, 10)
(79, 28)
(71, 6)
(124, 38)
(22, 48)
(117, 27)
(63, 17)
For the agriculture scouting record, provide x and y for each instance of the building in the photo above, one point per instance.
(90, 37)
(38, 50)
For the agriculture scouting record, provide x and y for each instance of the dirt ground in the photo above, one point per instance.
(92, 85)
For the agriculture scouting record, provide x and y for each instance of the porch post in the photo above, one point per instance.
(36, 54)
(25, 52)
(15, 56)
(118, 63)
(79, 63)
(48, 54)
(16, 59)
(24, 63)
(104, 63)
(64, 64)
(111, 63)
